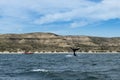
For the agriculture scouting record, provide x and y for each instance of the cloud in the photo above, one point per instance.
(78, 24)
(91, 11)
(75, 13)
(107, 9)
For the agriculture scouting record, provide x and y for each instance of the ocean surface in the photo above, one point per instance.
(59, 67)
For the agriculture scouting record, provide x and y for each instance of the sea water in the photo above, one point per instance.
(59, 67)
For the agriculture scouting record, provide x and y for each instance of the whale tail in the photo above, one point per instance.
(74, 50)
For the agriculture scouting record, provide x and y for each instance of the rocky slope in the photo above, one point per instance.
(53, 42)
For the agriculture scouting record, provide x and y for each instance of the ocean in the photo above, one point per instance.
(60, 67)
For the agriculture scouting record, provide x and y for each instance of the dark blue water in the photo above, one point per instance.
(59, 67)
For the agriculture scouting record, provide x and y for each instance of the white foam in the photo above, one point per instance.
(69, 55)
(40, 70)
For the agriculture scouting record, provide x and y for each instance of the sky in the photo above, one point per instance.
(63, 17)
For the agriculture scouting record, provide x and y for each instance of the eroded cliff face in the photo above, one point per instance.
(54, 42)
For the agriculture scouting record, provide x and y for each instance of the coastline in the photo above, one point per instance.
(6, 52)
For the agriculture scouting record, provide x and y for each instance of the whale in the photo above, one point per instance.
(74, 50)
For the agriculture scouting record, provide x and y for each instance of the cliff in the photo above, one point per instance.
(53, 42)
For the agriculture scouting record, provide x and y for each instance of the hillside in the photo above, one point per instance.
(45, 42)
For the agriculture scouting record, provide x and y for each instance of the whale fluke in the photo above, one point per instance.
(74, 50)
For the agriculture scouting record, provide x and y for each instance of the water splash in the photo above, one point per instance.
(69, 56)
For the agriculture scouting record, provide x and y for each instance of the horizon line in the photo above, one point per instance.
(63, 34)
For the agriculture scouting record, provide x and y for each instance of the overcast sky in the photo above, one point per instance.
(64, 17)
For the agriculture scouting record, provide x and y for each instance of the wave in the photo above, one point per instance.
(45, 70)
(40, 70)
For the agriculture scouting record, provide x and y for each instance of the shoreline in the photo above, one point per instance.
(61, 52)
